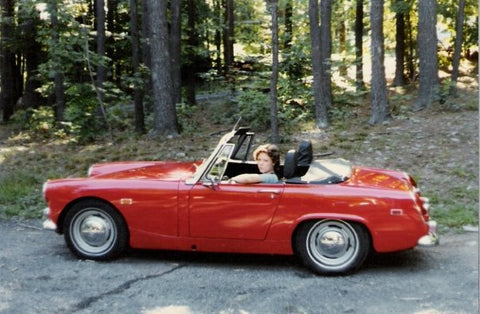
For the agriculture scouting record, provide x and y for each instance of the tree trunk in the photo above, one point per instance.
(7, 64)
(458, 47)
(321, 115)
(380, 109)
(428, 91)
(138, 91)
(165, 117)
(32, 53)
(100, 17)
(359, 83)
(191, 75)
(58, 76)
(146, 57)
(176, 50)
(326, 52)
(399, 79)
(273, 6)
(228, 36)
(218, 34)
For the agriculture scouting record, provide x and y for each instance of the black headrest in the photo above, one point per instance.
(290, 165)
(304, 153)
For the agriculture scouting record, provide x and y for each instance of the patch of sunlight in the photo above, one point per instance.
(8, 151)
(172, 309)
(429, 311)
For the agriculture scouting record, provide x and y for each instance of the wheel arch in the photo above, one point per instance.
(314, 218)
(69, 206)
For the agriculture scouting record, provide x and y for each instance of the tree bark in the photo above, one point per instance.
(191, 71)
(359, 83)
(165, 117)
(58, 76)
(428, 91)
(380, 109)
(176, 35)
(321, 114)
(326, 52)
(8, 91)
(218, 34)
(146, 57)
(273, 6)
(458, 47)
(399, 79)
(138, 91)
(228, 36)
(100, 18)
(32, 51)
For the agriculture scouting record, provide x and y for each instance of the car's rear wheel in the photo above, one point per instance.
(332, 246)
(95, 230)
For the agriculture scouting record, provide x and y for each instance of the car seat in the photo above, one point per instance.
(298, 161)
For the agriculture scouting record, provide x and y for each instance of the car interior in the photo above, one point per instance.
(298, 166)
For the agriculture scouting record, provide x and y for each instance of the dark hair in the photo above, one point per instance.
(272, 151)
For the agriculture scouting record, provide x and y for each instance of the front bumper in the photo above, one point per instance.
(48, 224)
(431, 238)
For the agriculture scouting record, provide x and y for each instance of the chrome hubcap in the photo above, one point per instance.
(332, 243)
(94, 231)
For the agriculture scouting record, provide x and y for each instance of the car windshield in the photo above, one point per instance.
(207, 162)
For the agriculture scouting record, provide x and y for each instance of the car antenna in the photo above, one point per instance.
(236, 124)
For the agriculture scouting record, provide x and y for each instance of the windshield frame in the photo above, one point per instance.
(207, 163)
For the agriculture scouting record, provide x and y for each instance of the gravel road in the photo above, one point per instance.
(39, 275)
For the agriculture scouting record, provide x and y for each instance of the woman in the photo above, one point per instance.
(268, 161)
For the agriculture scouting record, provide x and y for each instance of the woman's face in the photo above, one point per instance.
(264, 163)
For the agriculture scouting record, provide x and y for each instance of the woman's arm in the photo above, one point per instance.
(246, 178)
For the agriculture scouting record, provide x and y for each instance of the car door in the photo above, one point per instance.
(232, 211)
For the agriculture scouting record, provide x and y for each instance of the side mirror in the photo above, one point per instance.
(212, 182)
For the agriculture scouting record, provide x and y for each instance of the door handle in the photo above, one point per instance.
(272, 191)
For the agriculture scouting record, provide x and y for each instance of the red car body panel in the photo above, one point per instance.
(164, 209)
(168, 214)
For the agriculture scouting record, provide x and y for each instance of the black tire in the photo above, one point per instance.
(95, 230)
(332, 247)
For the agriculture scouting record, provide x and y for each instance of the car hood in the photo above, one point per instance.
(381, 178)
(160, 170)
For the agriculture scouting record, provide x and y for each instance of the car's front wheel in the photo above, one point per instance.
(95, 230)
(332, 246)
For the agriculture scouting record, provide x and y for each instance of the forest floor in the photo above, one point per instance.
(439, 146)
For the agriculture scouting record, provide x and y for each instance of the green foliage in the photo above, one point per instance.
(254, 108)
(294, 98)
(19, 193)
(41, 121)
(455, 208)
(186, 120)
(80, 112)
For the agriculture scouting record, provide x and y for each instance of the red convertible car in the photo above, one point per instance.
(327, 212)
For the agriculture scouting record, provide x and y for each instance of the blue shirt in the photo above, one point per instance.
(269, 178)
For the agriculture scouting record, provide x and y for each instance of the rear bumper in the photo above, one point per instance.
(48, 224)
(431, 238)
